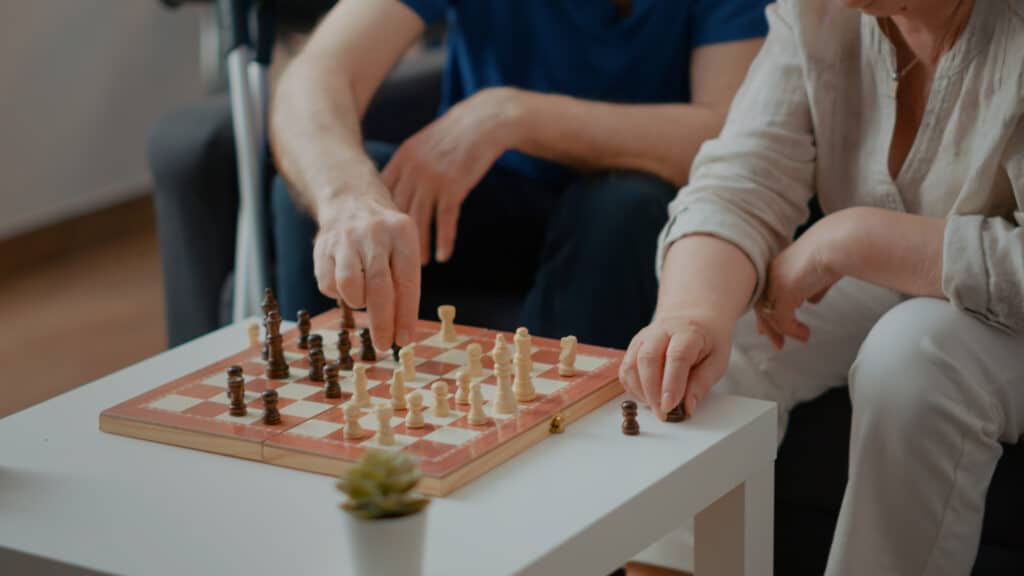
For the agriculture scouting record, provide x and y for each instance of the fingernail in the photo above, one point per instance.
(441, 256)
(666, 402)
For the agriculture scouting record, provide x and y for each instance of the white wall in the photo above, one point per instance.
(81, 83)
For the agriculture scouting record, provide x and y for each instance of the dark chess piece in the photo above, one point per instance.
(271, 415)
(277, 366)
(236, 390)
(316, 342)
(395, 350)
(316, 365)
(630, 427)
(269, 302)
(304, 326)
(332, 389)
(676, 414)
(345, 361)
(367, 353)
(348, 321)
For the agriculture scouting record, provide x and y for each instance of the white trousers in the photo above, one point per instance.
(933, 390)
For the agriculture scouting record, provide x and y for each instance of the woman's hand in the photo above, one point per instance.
(677, 356)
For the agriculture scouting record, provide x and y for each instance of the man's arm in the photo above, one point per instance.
(658, 138)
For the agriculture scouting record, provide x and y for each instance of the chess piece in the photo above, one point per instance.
(476, 367)
(236, 390)
(254, 334)
(352, 428)
(332, 389)
(277, 366)
(505, 400)
(446, 314)
(397, 390)
(567, 357)
(367, 352)
(463, 381)
(408, 361)
(500, 354)
(477, 416)
(414, 418)
(304, 327)
(271, 415)
(630, 427)
(265, 351)
(361, 395)
(348, 321)
(316, 365)
(523, 344)
(316, 342)
(345, 360)
(524, 380)
(396, 350)
(440, 390)
(385, 434)
(269, 302)
(676, 414)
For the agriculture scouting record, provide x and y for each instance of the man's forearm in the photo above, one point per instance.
(661, 139)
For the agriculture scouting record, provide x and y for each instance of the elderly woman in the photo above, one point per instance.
(904, 118)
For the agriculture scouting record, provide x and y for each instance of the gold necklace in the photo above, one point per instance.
(897, 75)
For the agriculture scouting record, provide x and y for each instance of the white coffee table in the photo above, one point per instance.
(583, 502)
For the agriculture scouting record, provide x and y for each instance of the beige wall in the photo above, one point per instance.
(81, 82)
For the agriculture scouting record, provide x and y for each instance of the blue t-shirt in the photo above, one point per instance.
(582, 48)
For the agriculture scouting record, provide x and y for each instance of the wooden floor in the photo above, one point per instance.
(78, 315)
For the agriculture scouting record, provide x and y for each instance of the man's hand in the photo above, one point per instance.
(432, 172)
(366, 254)
(676, 357)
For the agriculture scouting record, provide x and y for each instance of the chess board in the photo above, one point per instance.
(192, 411)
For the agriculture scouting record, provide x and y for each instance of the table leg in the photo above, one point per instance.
(734, 535)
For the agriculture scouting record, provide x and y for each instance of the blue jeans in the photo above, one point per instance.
(560, 258)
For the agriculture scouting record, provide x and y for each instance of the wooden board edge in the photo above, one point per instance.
(224, 445)
(318, 464)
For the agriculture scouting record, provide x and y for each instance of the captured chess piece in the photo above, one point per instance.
(345, 360)
(446, 314)
(348, 321)
(385, 433)
(304, 327)
(352, 428)
(367, 352)
(271, 415)
(332, 389)
(567, 357)
(676, 414)
(630, 427)
(236, 390)
(414, 418)
(316, 365)
(441, 407)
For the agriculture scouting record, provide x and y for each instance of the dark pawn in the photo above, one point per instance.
(630, 427)
(236, 391)
(345, 361)
(271, 415)
(676, 414)
(348, 321)
(304, 326)
(368, 353)
(316, 342)
(395, 349)
(316, 365)
(332, 389)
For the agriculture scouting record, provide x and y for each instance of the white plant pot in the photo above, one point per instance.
(387, 546)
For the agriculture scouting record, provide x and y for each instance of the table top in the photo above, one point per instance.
(577, 503)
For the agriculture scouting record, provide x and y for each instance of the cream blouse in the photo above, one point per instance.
(815, 116)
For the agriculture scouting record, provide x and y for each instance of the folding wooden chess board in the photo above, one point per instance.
(192, 411)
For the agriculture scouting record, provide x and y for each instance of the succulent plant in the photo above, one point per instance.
(380, 486)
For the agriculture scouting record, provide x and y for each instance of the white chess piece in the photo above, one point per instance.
(463, 381)
(441, 408)
(523, 345)
(446, 314)
(407, 358)
(500, 354)
(360, 384)
(524, 380)
(352, 428)
(476, 367)
(385, 434)
(567, 357)
(505, 397)
(398, 390)
(414, 419)
(477, 416)
(254, 334)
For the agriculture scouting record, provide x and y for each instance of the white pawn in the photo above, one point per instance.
(446, 314)
(441, 408)
(360, 383)
(476, 368)
(477, 416)
(524, 381)
(397, 390)
(385, 434)
(352, 428)
(505, 400)
(462, 379)
(407, 358)
(414, 419)
(567, 357)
